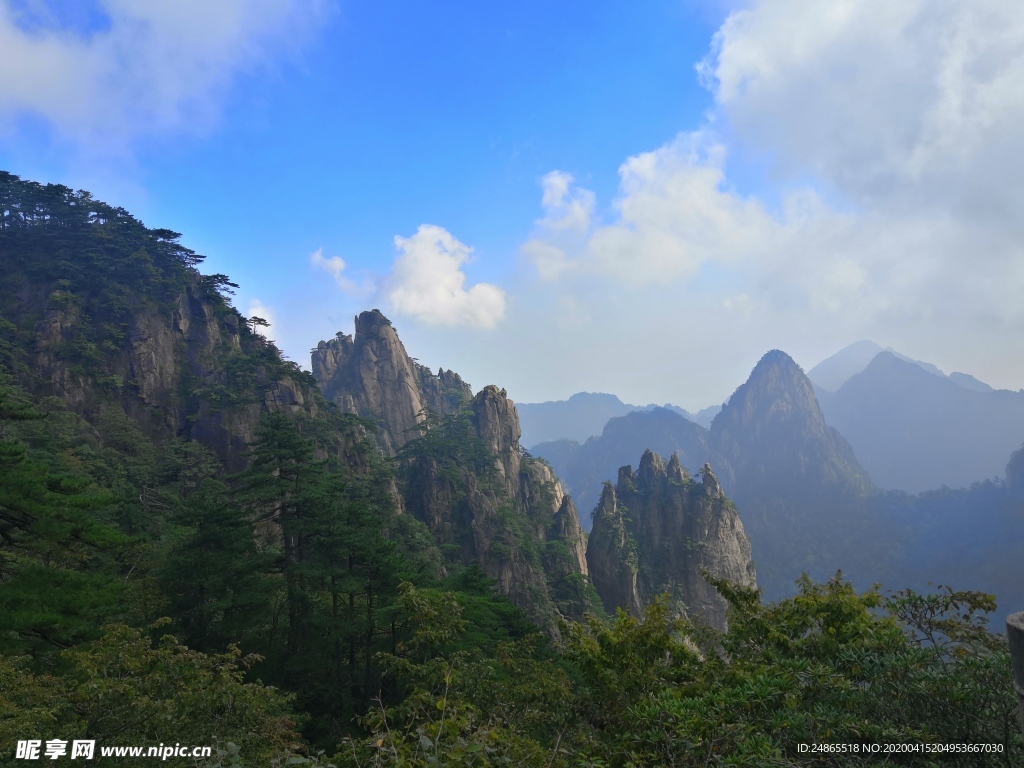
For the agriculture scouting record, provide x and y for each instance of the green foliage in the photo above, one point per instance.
(436, 722)
(828, 666)
(58, 560)
(449, 446)
(121, 689)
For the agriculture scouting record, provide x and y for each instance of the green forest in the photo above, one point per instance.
(200, 548)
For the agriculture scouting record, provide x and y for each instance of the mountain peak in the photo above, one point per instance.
(373, 376)
(890, 363)
(370, 322)
(830, 374)
(776, 357)
(777, 390)
(773, 426)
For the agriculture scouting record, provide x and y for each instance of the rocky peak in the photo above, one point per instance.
(373, 376)
(612, 555)
(503, 521)
(710, 482)
(675, 471)
(497, 425)
(627, 478)
(652, 469)
(777, 392)
(659, 533)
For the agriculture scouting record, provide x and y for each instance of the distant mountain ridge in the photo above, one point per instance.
(914, 431)
(831, 373)
(585, 414)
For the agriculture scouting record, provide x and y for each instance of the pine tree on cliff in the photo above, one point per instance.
(338, 569)
(275, 489)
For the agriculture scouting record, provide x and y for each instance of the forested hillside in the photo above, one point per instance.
(197, 546)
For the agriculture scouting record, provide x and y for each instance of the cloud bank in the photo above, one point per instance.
(888, 137)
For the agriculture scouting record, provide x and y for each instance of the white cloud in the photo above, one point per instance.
(427, 282)
(673, 214)
(565, 207)
(334, 266)
(909, 103)
(155, 67)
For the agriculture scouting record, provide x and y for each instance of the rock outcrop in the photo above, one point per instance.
(371, 375)
(188, 369)
(656, 530)
(463, 473)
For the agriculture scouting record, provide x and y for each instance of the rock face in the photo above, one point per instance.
(583, 468)
(656, 530)
(463, 473)
(371, 375)
(176, 372)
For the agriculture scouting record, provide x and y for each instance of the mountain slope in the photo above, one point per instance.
(105, 313)
(773, 434)
(914, 431)
(371, 375)
(795, 479)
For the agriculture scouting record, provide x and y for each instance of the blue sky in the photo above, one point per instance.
(637, 198)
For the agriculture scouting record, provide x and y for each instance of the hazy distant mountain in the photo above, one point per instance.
(584, 415)
(830, 374)
(913, 431)
(773, 433)
(705, 416)
(967, 381)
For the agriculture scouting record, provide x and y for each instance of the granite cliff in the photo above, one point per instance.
(114, 318)
(461, 470)
(656, 530)
(371, 375)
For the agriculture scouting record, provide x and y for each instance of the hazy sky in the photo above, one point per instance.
(637, 198)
